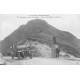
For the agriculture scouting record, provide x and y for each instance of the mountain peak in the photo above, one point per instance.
(37, 21)
(40, 29)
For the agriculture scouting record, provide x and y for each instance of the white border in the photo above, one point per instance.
(46, 72)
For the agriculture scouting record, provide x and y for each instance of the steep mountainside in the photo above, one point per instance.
(42, 30)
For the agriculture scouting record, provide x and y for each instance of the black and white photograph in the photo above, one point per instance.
(38, 39)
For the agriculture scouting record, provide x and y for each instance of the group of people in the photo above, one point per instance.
(20, 54)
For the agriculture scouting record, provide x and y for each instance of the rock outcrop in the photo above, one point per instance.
(2, 60)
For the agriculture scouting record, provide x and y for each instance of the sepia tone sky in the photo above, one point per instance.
(65, 22)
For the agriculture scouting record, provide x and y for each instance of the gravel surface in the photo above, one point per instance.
(43, 61)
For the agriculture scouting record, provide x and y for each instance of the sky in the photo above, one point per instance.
(65, 22)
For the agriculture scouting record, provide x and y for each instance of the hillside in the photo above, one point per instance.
(42, 30)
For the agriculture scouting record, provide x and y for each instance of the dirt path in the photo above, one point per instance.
(43, 61)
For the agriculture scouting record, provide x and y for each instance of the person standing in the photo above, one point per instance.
(54, 39)
(57, 49)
